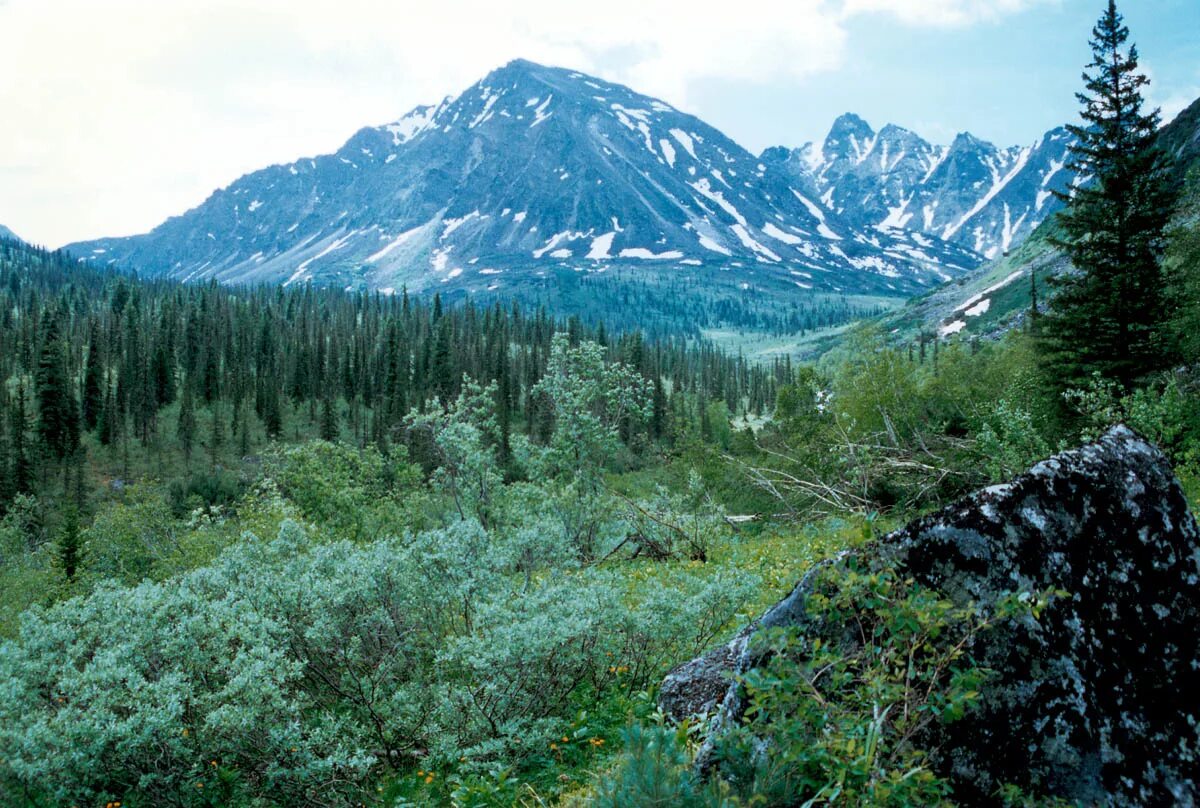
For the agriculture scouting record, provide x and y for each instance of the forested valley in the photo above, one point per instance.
(266, 546)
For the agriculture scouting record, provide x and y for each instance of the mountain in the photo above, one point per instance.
(531, 175)
(1180, 139)
(995, 297)
(5, 233)
(971, 193)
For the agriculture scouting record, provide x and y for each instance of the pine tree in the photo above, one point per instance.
(1108, 315)
(22, 463)
(185, 429)
(69, 545)
(107, 428)
(272, 414)
(216, 433)
(92, 400)
(658, 415)
(58, 419)
(329, 424)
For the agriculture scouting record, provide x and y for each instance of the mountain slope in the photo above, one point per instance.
(996, 297)
(5, 233)
(971, 193)
(531, 172)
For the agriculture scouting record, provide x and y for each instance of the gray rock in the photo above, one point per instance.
(1096, 702)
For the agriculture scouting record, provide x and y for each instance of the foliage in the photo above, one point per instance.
(1182, 263)
(1009, 442)
(688, 524)
(655, 772)
(356, 492)
(301, 666)
(465, 438)
(1109, 315)
(839, 713)
(887, 431)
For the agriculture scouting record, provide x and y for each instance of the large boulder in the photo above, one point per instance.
(1098, 701)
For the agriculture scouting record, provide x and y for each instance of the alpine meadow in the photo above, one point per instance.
(548, 447)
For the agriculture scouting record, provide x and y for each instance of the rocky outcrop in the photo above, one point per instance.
(1098, 701)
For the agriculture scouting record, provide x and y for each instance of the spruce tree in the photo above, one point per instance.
(1108, 314)
(21, 476)
(216, 433)
(69, 546)
(185, 429)
(58, 420)
(329, 424)
(92, 400)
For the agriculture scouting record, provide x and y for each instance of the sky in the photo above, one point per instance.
(116, 114)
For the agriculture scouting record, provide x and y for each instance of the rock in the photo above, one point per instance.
(1098, 702)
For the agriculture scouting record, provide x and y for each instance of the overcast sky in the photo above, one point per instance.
(115, 114)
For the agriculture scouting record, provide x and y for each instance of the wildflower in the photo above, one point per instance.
(428, 779)
(553, 747)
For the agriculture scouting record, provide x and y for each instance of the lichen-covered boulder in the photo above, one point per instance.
(1098, 701)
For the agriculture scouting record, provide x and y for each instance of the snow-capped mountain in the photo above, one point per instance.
(971, 193)
(531, 171)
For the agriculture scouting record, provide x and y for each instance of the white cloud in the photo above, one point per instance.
(941, 13)
(120, 113)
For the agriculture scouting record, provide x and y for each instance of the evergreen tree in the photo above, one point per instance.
(69, 545)
(329, 424)
(107, 429)
(216, 434)
(185, 429)
(58, 421)
(22, 463)
(92, 400)
(1108, 316)
(272, 414)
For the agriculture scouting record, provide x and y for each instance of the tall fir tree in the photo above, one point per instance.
(92, 399)
(58, 417)
(22, 462)
(329, 420)
(185, 428)
(1108, 315)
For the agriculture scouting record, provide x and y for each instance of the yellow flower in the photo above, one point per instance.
(429, 779)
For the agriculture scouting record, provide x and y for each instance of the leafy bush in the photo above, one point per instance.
(356, 493)
(1009, 442)
(290, 671)
(841, 710)
(655, 772)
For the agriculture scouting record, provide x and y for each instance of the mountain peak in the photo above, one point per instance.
(849, 137)
(850, 124)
